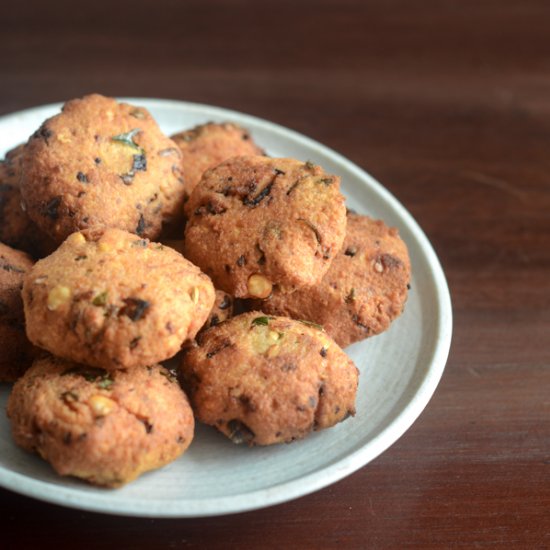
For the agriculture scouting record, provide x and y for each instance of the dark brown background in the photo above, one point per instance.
(446, 103)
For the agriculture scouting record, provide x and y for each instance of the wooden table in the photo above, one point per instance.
(447, 103)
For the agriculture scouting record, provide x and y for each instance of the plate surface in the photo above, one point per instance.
(400, 369)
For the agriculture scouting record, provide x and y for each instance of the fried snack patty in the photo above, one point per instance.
(207, 145)
(364, 290)
(101, 163)
(257, 222)
(110, 299)
(222, 310)
(264, 380)
(16, 228)
(16, 352)
(105, 428)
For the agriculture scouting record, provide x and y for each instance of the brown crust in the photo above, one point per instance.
(281, 219)
(101, 163)
(105, 428)
(265, 380)
(364, 290)
(16, 228)
(16, 352)
(110, 299)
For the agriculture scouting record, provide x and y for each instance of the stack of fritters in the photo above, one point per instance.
(104, 305)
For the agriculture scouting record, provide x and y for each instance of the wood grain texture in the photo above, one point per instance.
(447, 103)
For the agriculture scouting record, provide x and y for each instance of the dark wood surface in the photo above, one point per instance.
(447, 103)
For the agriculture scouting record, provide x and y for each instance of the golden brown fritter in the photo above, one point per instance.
(105, 428)
(364, 290)
(110, 299)
(16, 228)
(255, 223)
(16, 352)
(101, 163)
(207, 145)
(264, 380)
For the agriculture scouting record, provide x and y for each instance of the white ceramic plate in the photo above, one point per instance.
(400, 369)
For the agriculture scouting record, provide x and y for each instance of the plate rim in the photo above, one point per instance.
(314, 481)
